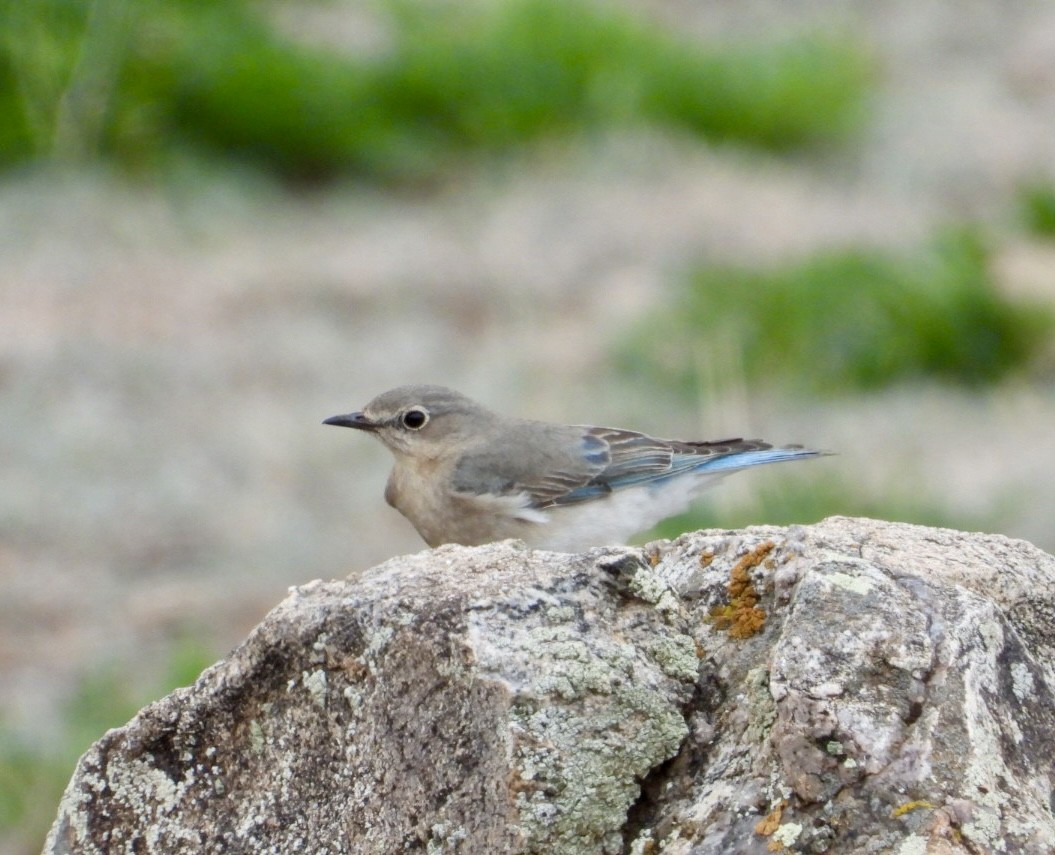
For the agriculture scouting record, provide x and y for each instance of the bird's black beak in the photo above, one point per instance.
(352, 420)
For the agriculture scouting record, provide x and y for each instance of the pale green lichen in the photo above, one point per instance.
(855, 584)
(761, 708)
(256, 737)
(560, 614)
(677, 656)
(985, 828)
(650, 588)
(320, 649)
(787, 833)
(913, 845)
(647, 586)
(1021, 681)
(587, 766)
(315, 683)
(596, 711)
(578, 670)
(379, 640)
(985, 766)
(445, 837)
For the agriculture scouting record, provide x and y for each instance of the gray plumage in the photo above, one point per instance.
(464, 474)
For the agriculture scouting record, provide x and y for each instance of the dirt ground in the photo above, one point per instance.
(169, 350)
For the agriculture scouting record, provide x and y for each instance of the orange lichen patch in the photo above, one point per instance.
(753, 558)
(771, 821)
(775, 846)
(739, 620)
(908, 807)
(748, 622)
(706, 557)
(653, 559)
(743, 617)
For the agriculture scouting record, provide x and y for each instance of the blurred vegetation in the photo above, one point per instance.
(851, 319)
(1037, 204)
(33, 776)
(138, 81)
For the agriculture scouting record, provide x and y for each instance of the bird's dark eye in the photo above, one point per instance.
(415, 419)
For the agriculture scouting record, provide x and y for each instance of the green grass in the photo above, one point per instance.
(33, 776)
(38, 52)
(498, 75)
(1037, 206)
(842, 320)
(135, 81)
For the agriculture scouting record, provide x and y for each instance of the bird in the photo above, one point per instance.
(464, 474)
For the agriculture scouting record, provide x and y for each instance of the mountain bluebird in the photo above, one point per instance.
(464, 474)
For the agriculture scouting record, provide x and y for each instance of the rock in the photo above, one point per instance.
(849, 686)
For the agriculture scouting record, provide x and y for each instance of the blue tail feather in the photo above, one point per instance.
(682, 465)
(743, 459)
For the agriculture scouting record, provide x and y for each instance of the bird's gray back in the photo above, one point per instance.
(566, 464)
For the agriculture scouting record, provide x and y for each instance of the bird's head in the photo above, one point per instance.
(419, 421)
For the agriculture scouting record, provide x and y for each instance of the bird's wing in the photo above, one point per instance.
(551, 465)
(540, 462)
(636, 459)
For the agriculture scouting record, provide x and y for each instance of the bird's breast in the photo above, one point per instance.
(417, 490)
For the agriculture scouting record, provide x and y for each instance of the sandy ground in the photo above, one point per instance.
(169, 351)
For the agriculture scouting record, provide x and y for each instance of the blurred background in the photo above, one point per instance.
(222, 221)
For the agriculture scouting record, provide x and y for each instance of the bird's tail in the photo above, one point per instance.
(756, 457)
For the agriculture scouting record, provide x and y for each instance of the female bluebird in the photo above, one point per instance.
(464, 474)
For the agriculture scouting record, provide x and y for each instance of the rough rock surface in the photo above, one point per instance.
(852, 686)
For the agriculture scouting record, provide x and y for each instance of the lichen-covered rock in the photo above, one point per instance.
(899, 697)
(485, 699)
(852, 686)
